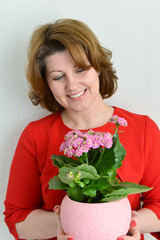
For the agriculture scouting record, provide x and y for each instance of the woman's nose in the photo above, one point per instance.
(70, 82)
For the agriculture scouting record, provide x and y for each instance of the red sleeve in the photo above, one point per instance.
(24, 189)
(151, 177)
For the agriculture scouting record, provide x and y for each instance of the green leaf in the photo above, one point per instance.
(60, 160)
(110, 188)
(112, 176)
(75, 194)
(106, 161)
(89, 191)
(81, 184)
(72, 184)
(55, 183)
(93, 155)
(119, 150)
(83, 171)
(111, 198)
(121, 190)
(131, 188)
(86, 181)
(100, 184)
(87, 171)
(111, 159)
(63, 174)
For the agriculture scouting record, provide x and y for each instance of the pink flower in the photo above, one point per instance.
(96, 145)
(118, 120)
(89, 142)
(70, 152)
(63, 147)
(108, 136)
(77, 142)
(96, 136)
(85, 148)
(102, 141)
(78, 132)
(113, 119)
(85, 135)
(90, 131)
(92, 137)
(109, 144)
(122, 121)
(69, 135)
(79, 152)
(68, 143)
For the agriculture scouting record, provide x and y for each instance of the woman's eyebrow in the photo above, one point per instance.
(55, 71)
(59, 70)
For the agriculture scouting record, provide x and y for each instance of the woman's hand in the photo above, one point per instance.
(60, 232)
(133, 233)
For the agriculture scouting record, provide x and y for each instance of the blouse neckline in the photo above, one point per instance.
(84, 130)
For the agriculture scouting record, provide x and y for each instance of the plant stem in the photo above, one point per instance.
(116, 130)
(94, 156)
(81, 160)
(101, 154)
(86, 156)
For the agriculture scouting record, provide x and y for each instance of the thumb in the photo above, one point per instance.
(57, 209)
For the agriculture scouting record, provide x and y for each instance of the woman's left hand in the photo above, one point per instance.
(133, 233)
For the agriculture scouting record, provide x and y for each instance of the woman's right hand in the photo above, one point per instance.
(60, 233)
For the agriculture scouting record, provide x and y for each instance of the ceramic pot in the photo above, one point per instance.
(84, 221)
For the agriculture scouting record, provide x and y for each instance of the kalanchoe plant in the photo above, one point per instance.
(88, 172)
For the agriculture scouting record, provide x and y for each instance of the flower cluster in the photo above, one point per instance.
(118, 120)
(76, 142)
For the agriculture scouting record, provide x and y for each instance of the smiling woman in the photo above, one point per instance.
(75, 89)
(84, 49)
(70, 73)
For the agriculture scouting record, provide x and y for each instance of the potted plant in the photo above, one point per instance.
(96, 204)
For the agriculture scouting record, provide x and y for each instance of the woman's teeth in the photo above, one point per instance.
(77, 95)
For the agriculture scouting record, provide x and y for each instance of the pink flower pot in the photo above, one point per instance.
(104, 221)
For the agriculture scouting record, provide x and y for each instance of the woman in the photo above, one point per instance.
(70, 73)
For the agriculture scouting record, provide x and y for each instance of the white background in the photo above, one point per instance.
(130, 28)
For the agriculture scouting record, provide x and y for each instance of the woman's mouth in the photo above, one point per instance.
(74, 96)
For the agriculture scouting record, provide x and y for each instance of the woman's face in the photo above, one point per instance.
(74, 89)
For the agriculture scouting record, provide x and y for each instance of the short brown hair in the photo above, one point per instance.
(74, 36)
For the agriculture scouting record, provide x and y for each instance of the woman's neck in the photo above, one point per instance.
(87, 119)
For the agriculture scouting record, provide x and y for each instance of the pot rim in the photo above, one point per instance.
(111, 202)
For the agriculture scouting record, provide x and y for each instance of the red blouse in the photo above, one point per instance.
(32, 166)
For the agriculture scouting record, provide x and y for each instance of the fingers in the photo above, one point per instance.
(57, 209)
(60, 233)
(134, 233)
(134, 219)
(134, 230)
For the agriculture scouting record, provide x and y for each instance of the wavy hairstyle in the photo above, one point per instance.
(76, 37)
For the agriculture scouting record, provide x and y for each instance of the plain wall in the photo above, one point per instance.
(130, 28)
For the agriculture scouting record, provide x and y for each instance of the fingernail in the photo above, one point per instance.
(55, 208)
(120, 238)
(133, 224)
(70, 238)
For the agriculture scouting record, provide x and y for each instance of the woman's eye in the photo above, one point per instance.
(79, 70)
(58, 77)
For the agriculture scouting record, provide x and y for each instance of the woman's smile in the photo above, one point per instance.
(77, 96)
